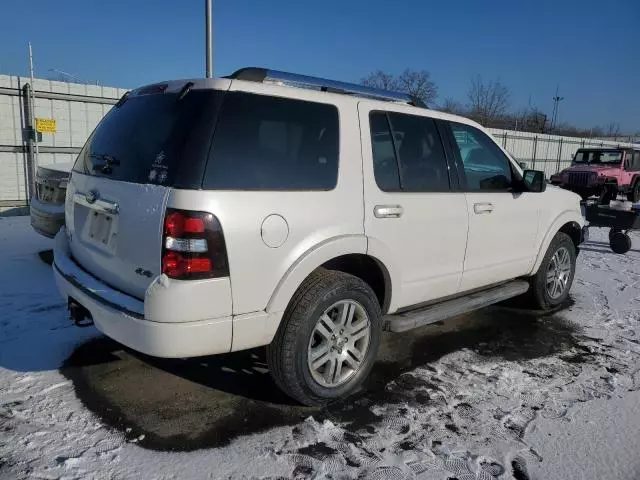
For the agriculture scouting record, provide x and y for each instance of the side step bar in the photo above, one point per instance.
(401, 322)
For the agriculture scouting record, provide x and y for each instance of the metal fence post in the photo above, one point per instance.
(559, 156)
(29, 138)
(504, 140)
(535, 151)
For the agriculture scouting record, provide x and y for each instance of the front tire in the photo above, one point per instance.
(634, 193)
(551, 284)
(328, 339)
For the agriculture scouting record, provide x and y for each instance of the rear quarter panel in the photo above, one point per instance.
(318, 222)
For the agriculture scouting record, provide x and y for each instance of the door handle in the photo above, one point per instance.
(480, 208)
(388, 211)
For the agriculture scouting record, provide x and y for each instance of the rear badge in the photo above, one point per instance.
(144, 273)
(92, 196)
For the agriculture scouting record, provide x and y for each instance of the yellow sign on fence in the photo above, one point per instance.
(46, 125)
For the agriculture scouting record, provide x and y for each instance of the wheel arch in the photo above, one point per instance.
(569, 222)
(347, 253)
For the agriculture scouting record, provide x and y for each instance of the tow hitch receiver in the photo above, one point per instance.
(79, 314)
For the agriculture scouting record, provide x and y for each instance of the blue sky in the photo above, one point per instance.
(590, 48)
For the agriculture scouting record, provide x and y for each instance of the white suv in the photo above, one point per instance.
(307, 215)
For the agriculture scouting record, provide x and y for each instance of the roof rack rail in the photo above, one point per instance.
(265, 75)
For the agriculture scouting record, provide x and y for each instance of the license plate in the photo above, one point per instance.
(46, 195)
(101, 228)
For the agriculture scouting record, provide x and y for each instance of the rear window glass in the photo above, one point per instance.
(272, 143)
(145, 138)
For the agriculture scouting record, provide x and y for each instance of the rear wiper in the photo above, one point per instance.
(184, 90)
(109, 162)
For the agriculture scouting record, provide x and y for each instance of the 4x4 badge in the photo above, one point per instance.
(143, 272)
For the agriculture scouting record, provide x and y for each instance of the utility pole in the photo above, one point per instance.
(556, 101)
(209, 38)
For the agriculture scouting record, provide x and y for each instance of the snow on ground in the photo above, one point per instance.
(555, 398)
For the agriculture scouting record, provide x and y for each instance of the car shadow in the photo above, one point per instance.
(14, 212)
(208, 401)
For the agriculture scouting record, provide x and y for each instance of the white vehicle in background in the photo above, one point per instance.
(301, 214)
(47, 205)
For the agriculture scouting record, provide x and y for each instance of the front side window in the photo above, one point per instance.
(486, 167)
(407, 153)
(273, 143)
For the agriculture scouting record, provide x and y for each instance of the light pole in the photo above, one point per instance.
(556, 101)
(209, 38)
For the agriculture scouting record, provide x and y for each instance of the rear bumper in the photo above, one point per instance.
(46, 219)
(122, 317)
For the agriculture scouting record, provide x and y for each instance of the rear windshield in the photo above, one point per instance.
(155, 138)
(272, 143)
(598, 156)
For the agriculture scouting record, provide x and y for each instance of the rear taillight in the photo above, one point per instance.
(193, 246)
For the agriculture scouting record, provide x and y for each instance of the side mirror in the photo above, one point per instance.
(534, 181)
(523, 165)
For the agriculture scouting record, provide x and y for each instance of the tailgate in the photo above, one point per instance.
(116, 230)
(155, 138)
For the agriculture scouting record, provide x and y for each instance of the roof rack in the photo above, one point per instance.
(265, 75)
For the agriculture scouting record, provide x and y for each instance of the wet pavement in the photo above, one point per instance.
(183, 405)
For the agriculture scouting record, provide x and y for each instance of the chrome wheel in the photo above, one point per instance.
(558, 273)
(339, 343)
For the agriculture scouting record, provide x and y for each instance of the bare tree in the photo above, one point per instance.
(487, 101)
(419, 86)
(530, 119)
(452, 106)
(380, 79)
(613, 129)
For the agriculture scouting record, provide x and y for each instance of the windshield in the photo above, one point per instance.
(612, 157)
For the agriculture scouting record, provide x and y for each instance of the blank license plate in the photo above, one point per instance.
(102, 225)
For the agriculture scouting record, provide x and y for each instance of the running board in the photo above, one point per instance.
(401, 322)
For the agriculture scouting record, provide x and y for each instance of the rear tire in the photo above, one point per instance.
(333, 318)
(551, 284)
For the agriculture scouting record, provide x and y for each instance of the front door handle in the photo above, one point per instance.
(388, 211)
(481, 208)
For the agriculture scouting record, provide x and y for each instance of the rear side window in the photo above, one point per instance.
(272, 143)
(151, 138)
(486, 167)
(407, 153)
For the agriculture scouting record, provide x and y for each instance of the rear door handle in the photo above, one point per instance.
(480, 208)
(388, 211)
